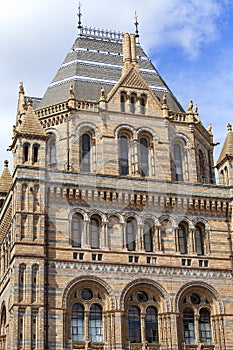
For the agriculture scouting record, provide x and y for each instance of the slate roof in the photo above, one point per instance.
(227, 149)
(96, 61)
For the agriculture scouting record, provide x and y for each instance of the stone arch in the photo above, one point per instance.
(170, 219)
(85, 127)
(178, 136)
(150, 217)
(79, 211)
(163, 293)
(185, 219)
(72, 284)
(148, 131)
(200, 285)
(202, 221)
(133, 215)
(54, 132)
(124, 127)
(98, 213)
(113, 213)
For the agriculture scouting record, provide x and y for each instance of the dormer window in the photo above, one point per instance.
(35, 153)
(133, 104)
(123, 102)
(26, 152)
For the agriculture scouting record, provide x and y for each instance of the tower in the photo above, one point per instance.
(118, 236)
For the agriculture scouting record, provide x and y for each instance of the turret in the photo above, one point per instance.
(5, 182)
(28, 141)
(225, 160)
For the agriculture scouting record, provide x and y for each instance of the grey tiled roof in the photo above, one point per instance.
(95, 62)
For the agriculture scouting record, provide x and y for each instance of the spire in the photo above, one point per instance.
(79, 17)
(5, 179)
(21, 103)
(227, 150)
(136, 26)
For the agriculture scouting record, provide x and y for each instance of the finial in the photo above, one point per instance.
(136, 25)
(209, 129)
(21, 88)
(30, 102)
(229, 127)
(190, 107)
(6, 163)
(72, 92)
(195, 109)
(79, 16)
(164, 99)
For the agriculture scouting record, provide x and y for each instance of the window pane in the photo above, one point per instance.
(77, 323)
(178, 163)
(130, 235)
(124, 156)
(85, 152)
(94, 234)
(95, 324)
(144, 155)
(152, 325)
(182, 239)
(205, 327)
(52, 151)
(199, 241)
(134, 325)
(148, 237)
(188, 326)
(76, 231)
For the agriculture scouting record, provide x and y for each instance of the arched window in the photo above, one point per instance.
(26, 152)
(52, 150)
(202, 166)
(34, 282)
(123, 101)
(205, 327)
(148, 236)
(151, 325)
(95, 324)
(124, 155)
(22, 270)
(134, 325)
(86, 152)
(178, 162)
(35, 153)
(3, 321)
(77, 323)
(143, 104)
(199, 240)
(144, 157)
(130, 235)
(188, 326)
(76, 230)
(182, 239)
(132, 103)
(94, 233)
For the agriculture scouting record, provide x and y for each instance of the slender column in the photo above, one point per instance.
(136, 157)
(123, 225)
(196, 328)
(143, 328)
(151, 160)
(86, 327)
(86, 234)
(139, 237)
(191, 241)
(158, 235)
(176, 239)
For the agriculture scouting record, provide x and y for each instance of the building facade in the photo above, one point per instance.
(114, 233)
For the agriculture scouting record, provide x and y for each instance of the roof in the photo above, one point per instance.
(30, 124)
(96, 60)
(5, 179)
(227, 149)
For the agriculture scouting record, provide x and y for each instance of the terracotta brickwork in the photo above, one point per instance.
(114, 233)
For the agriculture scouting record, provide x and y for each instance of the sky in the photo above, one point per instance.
(190, 43)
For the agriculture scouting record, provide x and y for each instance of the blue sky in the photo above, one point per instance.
(189, 41)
